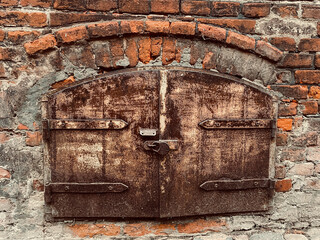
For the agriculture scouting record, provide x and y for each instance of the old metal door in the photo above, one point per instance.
(158, 143)
(98, 166)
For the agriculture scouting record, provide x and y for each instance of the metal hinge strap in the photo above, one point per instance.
(225, 185)
(87, 187)
(105, 124)
(236, 123)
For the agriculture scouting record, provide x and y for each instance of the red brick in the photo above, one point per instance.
(36, 3)
(103, 29)
(156, 44)
(168, 51)
(132, 27)
(37, 19)
(2, 35)
(256, 9)
(6, 53)
(209, 61)
(225, 9)
(134, 6)
(3, 137)
(145, 50)
(212, 32)
(318, 28)
(195, 7)
(265, 49)
(22, 36)
(9, 3)
(22, 127)
(241, 41)
(116, 50)
(286, 10)
(72, 34)
(101, 5)
(310, 107)
(136, 229)
(295, 60)
(38, 185)
(307, 76)
(201, 226)
(284, 43)
(4, 173)
(309, 44)
(162, 229)
(132, 52)
(284, 185)
(62, 18)
(92, 230)
(317, 61)
(41, 44)
(285, 124)
(311, 11)
(2, 71)
(157, 26)
(183, 28)
(287, 109)
(19, 19)
(165, 6)
(282, 139)
(241, 25)
(63, 83)
(70, 4)
(314, 92)
(280, 172)
(33, 139)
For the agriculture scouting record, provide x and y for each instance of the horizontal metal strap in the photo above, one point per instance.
(87, 187)
(225, 185)
(87, 124)
(236, 123)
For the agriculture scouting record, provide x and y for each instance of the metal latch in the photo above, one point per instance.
(159, 147)
(148, 132)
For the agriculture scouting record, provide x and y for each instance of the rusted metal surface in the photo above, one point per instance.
(195, 143)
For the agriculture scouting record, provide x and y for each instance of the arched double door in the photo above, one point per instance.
(157, 143)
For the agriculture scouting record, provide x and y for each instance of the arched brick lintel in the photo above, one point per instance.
(177, 28)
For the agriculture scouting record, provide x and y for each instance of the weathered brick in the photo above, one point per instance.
(36, 3)
(132, 27)
(283, 76)
(22, 36)
(102, 54)
(209, 61)
(72, 34)
(286, 10)
(317, 61)
(311, 11)
(6, 53)
(4, 173)
(3, 137)
(101, 5)
(63, 83)
(20, 19)
(306, 139)
(136, 229)
(63, 18)
(313, 154)
(70, 4)
(241, 41)
(265, 49)
(2, 35)
(183, 28)
(22, 127)
(284, 185)
(284, 43)
(200, 226)
(285, 124)
(33, 139)
(145, 49)
(314, 92)
(157, 26)
(304, 169)
(241, 25)
(41, 44)
(116, 50)
(310, 107)
(37, 185)
(307, 76)
(318, 28)
(37, 19)
(2, 71)
(165, 6)
(212, 32)
(225, 9)
(280, 172)
(313, 184)
(295, 91)
(293, 154)
(132, 52)
(295, 60)
(309, 44)
(92, 230)
(9, 3)
(162, 229)
(195, 7)
(168, 51)
(156, 44)
(256, 10)
(134, 6)
(287, 109)
(103, 29)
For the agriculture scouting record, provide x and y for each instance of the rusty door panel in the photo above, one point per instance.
(214, 154)
(96, 154)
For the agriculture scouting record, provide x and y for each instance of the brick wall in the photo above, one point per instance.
(48, 44)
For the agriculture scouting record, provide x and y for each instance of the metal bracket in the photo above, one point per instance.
(148, 132)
